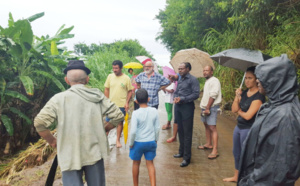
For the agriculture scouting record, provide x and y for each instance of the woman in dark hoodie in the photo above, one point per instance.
(271, 152)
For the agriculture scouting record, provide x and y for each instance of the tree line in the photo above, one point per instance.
(272, 26)
(31, 73)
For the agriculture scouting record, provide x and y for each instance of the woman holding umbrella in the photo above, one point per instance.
(246, 104)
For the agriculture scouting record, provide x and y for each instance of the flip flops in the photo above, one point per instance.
(165, 127)
(202, 147)
(213, 156)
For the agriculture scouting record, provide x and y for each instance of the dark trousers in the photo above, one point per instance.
(239, 136)
(94, 175)
(184, 115)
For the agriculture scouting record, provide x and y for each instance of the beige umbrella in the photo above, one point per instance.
(197, 58)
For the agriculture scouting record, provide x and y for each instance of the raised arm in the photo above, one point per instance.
(236, 102)
(164, 82)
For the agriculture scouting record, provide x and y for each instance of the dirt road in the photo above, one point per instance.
(202, 171)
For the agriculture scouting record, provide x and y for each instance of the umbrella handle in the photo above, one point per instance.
(243, 80)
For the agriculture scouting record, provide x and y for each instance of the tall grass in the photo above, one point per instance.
(100, 64)
(230, 80)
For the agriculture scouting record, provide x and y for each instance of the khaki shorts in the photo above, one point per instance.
(212, 118)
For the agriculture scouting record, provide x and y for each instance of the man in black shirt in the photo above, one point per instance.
(187, 91)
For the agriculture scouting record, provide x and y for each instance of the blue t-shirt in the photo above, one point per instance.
(144, 125)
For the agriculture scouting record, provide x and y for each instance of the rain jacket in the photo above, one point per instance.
(81, 138)
(271, 152)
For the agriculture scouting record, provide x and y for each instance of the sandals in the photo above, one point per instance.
(202, 147)
(213, 156)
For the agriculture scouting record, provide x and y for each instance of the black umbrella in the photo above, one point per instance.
(240, 58)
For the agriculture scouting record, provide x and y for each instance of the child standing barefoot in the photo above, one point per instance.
(144, 133)
(169, 96)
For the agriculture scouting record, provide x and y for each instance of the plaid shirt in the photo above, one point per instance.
(152, 85)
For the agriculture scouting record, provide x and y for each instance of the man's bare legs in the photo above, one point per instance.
(234, 178)
(119, 132)
(136, 171)
(175, 129)
(151, 172)
(208, 143)
(214, 136)
(211, 140)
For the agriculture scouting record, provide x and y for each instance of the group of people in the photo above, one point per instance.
(186, 92)
(266, 139)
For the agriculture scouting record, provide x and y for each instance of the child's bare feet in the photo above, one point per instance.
(170, 140)
(118, 145)
(166, 126)
(231, 179)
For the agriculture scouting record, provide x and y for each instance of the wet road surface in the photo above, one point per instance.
(201, 171)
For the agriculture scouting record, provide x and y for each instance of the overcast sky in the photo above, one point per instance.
(95, 21)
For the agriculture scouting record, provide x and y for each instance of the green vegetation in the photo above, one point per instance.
(31, 66)
(30, 69)
(99, 58)
(272, 26)
(31, 72)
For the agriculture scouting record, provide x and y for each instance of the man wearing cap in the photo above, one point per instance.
(81, 136)
(118, 89)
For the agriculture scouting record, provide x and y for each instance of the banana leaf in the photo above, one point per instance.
(8, 124)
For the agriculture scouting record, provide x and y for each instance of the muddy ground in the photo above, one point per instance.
(202, 171)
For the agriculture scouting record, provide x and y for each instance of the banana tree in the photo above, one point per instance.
(31, 68)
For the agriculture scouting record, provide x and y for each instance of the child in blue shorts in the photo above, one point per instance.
(144, 133)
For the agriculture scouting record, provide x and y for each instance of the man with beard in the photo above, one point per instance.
(187, 91)
(210, 103)
(271, 152)
(152, 82)
(118, 89)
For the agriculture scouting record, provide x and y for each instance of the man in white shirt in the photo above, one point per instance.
(210, 103)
